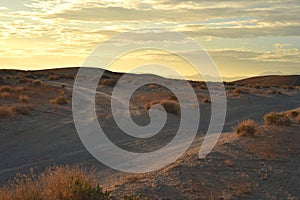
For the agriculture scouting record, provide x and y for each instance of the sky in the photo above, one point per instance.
(244, 38)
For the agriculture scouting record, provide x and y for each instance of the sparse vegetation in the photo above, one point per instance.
(172, 97)
(21, 109)
(277, 119)
(61, 100)
(239, 91)
(246, 128)
(206, 100)
(19, 88)
(56, 183)
(6, 112)
(134, 197)
(24, 98)
(298, 119)
(5, 95)
(6, 88)
(53, 77)
(108, 82)
(271, 91)
(37, 82)
(170, 106)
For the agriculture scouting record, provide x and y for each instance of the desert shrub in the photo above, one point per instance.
(53, 77)
(298, 119)
(67, 76)
(19, 88)
(292, 113)
(6, 88)
(21, 109)
(56, 183)
(24, 80)
(108, 82)
(288, 87)
(37, 82)
(62, 85)
(239, 91)
(246, 128)
(61, 100)
(277, 119)
(203, 87)
(172, 97)
(206, 100)
(271, 91)
(170, 106)
(28, 75)
(6, 112)
(134, 197)
(5, 95)
(23, 98)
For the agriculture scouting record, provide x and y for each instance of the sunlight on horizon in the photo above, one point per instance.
(243, 38)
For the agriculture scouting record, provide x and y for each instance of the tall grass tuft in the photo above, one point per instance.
(56, 183)
(246, 128)
(277, 119)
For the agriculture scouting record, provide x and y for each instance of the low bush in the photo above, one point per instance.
(56, 183)
(277, 119)
(59, 100)
(239, 91)
(172, 97)
(108, 82)
(6, 112)
(246, 128)
(37, 82)
(298, 119)
(172, 107)
(21, 109)
(206, 100)
(24, 98)
(53, 77)
(271, 91)
(6, 88)
(5, 95)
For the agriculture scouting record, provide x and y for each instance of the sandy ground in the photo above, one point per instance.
(264, 167)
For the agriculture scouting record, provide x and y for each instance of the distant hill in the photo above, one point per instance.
(272, 80)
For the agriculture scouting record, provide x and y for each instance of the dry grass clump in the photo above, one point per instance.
(277, 119)
(53, 77)
(23, 98)
(246, 128)
(206, 100)
(292, 113)
(5, 95)
(298, 119)
(6, 88)
(56, 183)
(37, 82)
(288, 87)
(6, 112)
(271, 91)
(239, 91)
(19, 88)
(203, 87)
(61, 100)
(172, 107)
(172, 97)
(21, 109)
(108, 82)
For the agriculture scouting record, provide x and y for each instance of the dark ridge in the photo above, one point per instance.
(271, 80)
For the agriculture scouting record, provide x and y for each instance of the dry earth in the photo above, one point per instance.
(263, 167)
